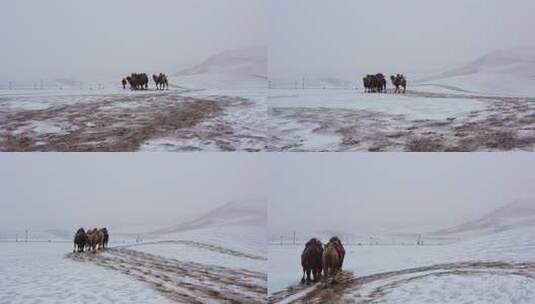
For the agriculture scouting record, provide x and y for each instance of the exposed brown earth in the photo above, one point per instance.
(104, 126)
(506, 123)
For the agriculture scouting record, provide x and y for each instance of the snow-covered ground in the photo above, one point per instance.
(411, 272)
(412, 108)
(219, 105)
(233, 247)
(490, 83)
(427, 118)
(40, 273)
(487, 105)
(219, 257)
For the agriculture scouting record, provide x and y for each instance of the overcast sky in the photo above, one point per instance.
(348, 191)
(57, 38)
(45, 191)
(346, 38)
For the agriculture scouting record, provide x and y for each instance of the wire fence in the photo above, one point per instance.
(311, 83)
(50, 85)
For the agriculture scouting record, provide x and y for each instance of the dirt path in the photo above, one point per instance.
(210, 247)
(505, 123)
(373, 288)
(183, 282)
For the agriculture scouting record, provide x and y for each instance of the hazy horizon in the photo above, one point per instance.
(351, 192)
(345, 39)
(58, 38)
(61, 191)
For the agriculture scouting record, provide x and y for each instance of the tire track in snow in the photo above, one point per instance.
(183, 282)
(211, 247)
(373, 288)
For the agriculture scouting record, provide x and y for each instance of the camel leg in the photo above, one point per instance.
(308, 276)
(303, 278)
(334, 272)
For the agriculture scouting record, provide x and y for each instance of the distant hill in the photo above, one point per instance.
(236, 213)
(504, 72)
(518, 62)
(520, 213)
(248, 62)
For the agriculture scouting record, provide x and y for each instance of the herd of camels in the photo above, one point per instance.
(140, 81)
(92, 240)
(372, 83)
(377, 83)
(317, 258)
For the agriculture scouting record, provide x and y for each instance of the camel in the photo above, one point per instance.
(399, 81)
(161, 81)
(333, 258)
(374, 83)
(80, 240)
(381, 82)
(138, 81)
(95, 239)
(164, 81)
(105, 237)
(311, 261)
(367, 84)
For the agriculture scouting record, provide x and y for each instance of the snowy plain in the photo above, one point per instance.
(427, 118)
(218, 105)
(40, 273)
(219, 257)
(486, 105)
(513, 246)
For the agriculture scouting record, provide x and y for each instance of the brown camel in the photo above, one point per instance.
(105, 237)
(399, 81)
(374, 83)
(161, 81)
(332, 261)
(95, 239)
(80, 240)
(311, 260)
(138, 81)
